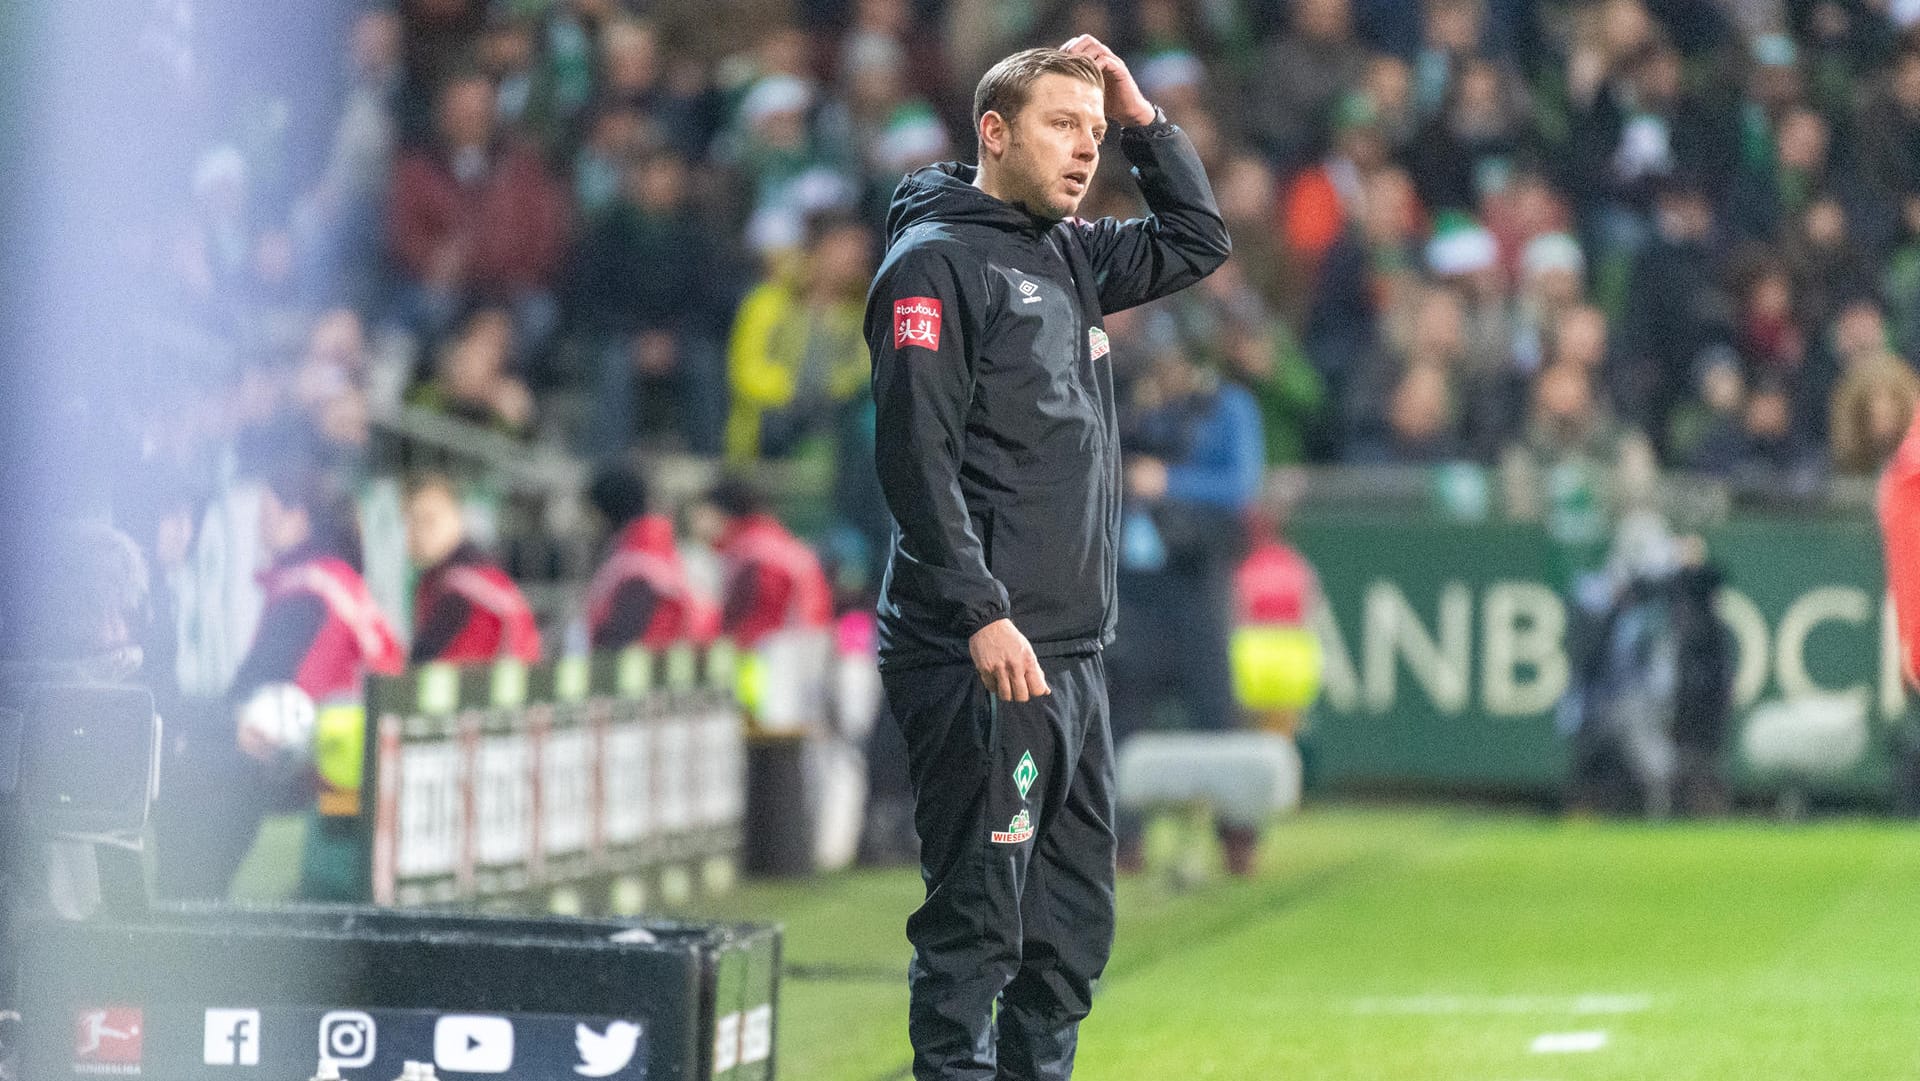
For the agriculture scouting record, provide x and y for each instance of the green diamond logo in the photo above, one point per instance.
(1025, 774)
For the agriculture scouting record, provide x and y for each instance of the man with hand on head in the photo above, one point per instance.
(998, 454)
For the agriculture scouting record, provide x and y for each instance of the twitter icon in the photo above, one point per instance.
(603, 1054)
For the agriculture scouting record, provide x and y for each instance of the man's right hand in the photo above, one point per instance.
(1006, 662)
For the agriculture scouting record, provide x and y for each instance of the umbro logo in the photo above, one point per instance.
(1028, 292)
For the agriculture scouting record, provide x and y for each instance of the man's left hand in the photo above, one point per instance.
(1125, 102)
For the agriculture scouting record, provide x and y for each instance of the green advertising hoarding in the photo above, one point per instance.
(1446, 643)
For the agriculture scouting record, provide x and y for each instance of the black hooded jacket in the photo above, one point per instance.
(996, 429)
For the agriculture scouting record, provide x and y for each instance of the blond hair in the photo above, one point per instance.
(1004, 88)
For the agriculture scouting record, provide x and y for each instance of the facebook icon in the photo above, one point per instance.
(232, 1038)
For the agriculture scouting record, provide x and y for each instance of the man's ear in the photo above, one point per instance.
(993, 134)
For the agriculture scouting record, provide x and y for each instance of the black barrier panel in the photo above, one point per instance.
(587, 784)
(208, 994)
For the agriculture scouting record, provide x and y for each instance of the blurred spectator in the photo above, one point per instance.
(470, 377)
(1394, 408)
(1324, 198)
(1769, 449)
(1674, 308)
(1276, 592)
(1900, 280)
(437, 36)
(1771, 341)
(897, 23)
(229, 260)
(1703, 697)
(1248, 192)
(614, 139)
(1552, 283)
(1705, 434)
(641, 595)
(1876, 395)
(1420, 424)
(337, 223)
(1483, 124)
(567, 40)
(798, 362)
(476, 218)
(75, 615)
(1366, 273)
(651, 293)
(1829, 267)
(1194, 468)
(1300, 77)
(789, 170)
(1564, 468)
(330, 384)
(1228, 327)
(773, 581)
(639, 75)
(507, 55)
(1802, 166)
(1388, 84)
(1890, 130)
(320, 632)
(1642, 129)
(1519, 208)
(1464, 258)
(1451, 32)
(887, 127)
(1580, 342)
(466, 610)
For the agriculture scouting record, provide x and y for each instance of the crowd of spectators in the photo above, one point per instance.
(1481, 230)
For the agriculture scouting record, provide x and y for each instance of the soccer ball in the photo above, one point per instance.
(279, 716)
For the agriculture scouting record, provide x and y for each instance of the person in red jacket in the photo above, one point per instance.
(1900, 528)
(774, 581)
(465, 609)
(476, 218)
(641, 594)
(319, 631)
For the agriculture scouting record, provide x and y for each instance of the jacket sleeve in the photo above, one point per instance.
(922, 324)
(1181, 240)
(288, 629)
(441, 626)
(628, 615)
(756, 604)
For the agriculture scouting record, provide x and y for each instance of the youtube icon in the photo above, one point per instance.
(467, 1043)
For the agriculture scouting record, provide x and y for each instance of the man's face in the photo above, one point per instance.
(433, 526)
(1052, 146)
(466, 113)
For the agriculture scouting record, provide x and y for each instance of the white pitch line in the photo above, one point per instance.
(1456, 1005)
(1568, 1043)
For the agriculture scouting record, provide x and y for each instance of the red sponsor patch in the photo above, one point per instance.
(916, 321)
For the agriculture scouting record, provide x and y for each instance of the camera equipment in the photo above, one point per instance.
(78, 760)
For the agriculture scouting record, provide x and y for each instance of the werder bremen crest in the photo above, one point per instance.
(1025, 774)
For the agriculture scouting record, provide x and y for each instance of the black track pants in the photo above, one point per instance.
(1018, 862)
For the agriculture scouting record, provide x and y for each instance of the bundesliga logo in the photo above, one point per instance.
(916, 321)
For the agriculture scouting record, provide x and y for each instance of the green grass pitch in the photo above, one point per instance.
(1381, 945)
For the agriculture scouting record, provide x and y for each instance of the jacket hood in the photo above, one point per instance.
(945, 192)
